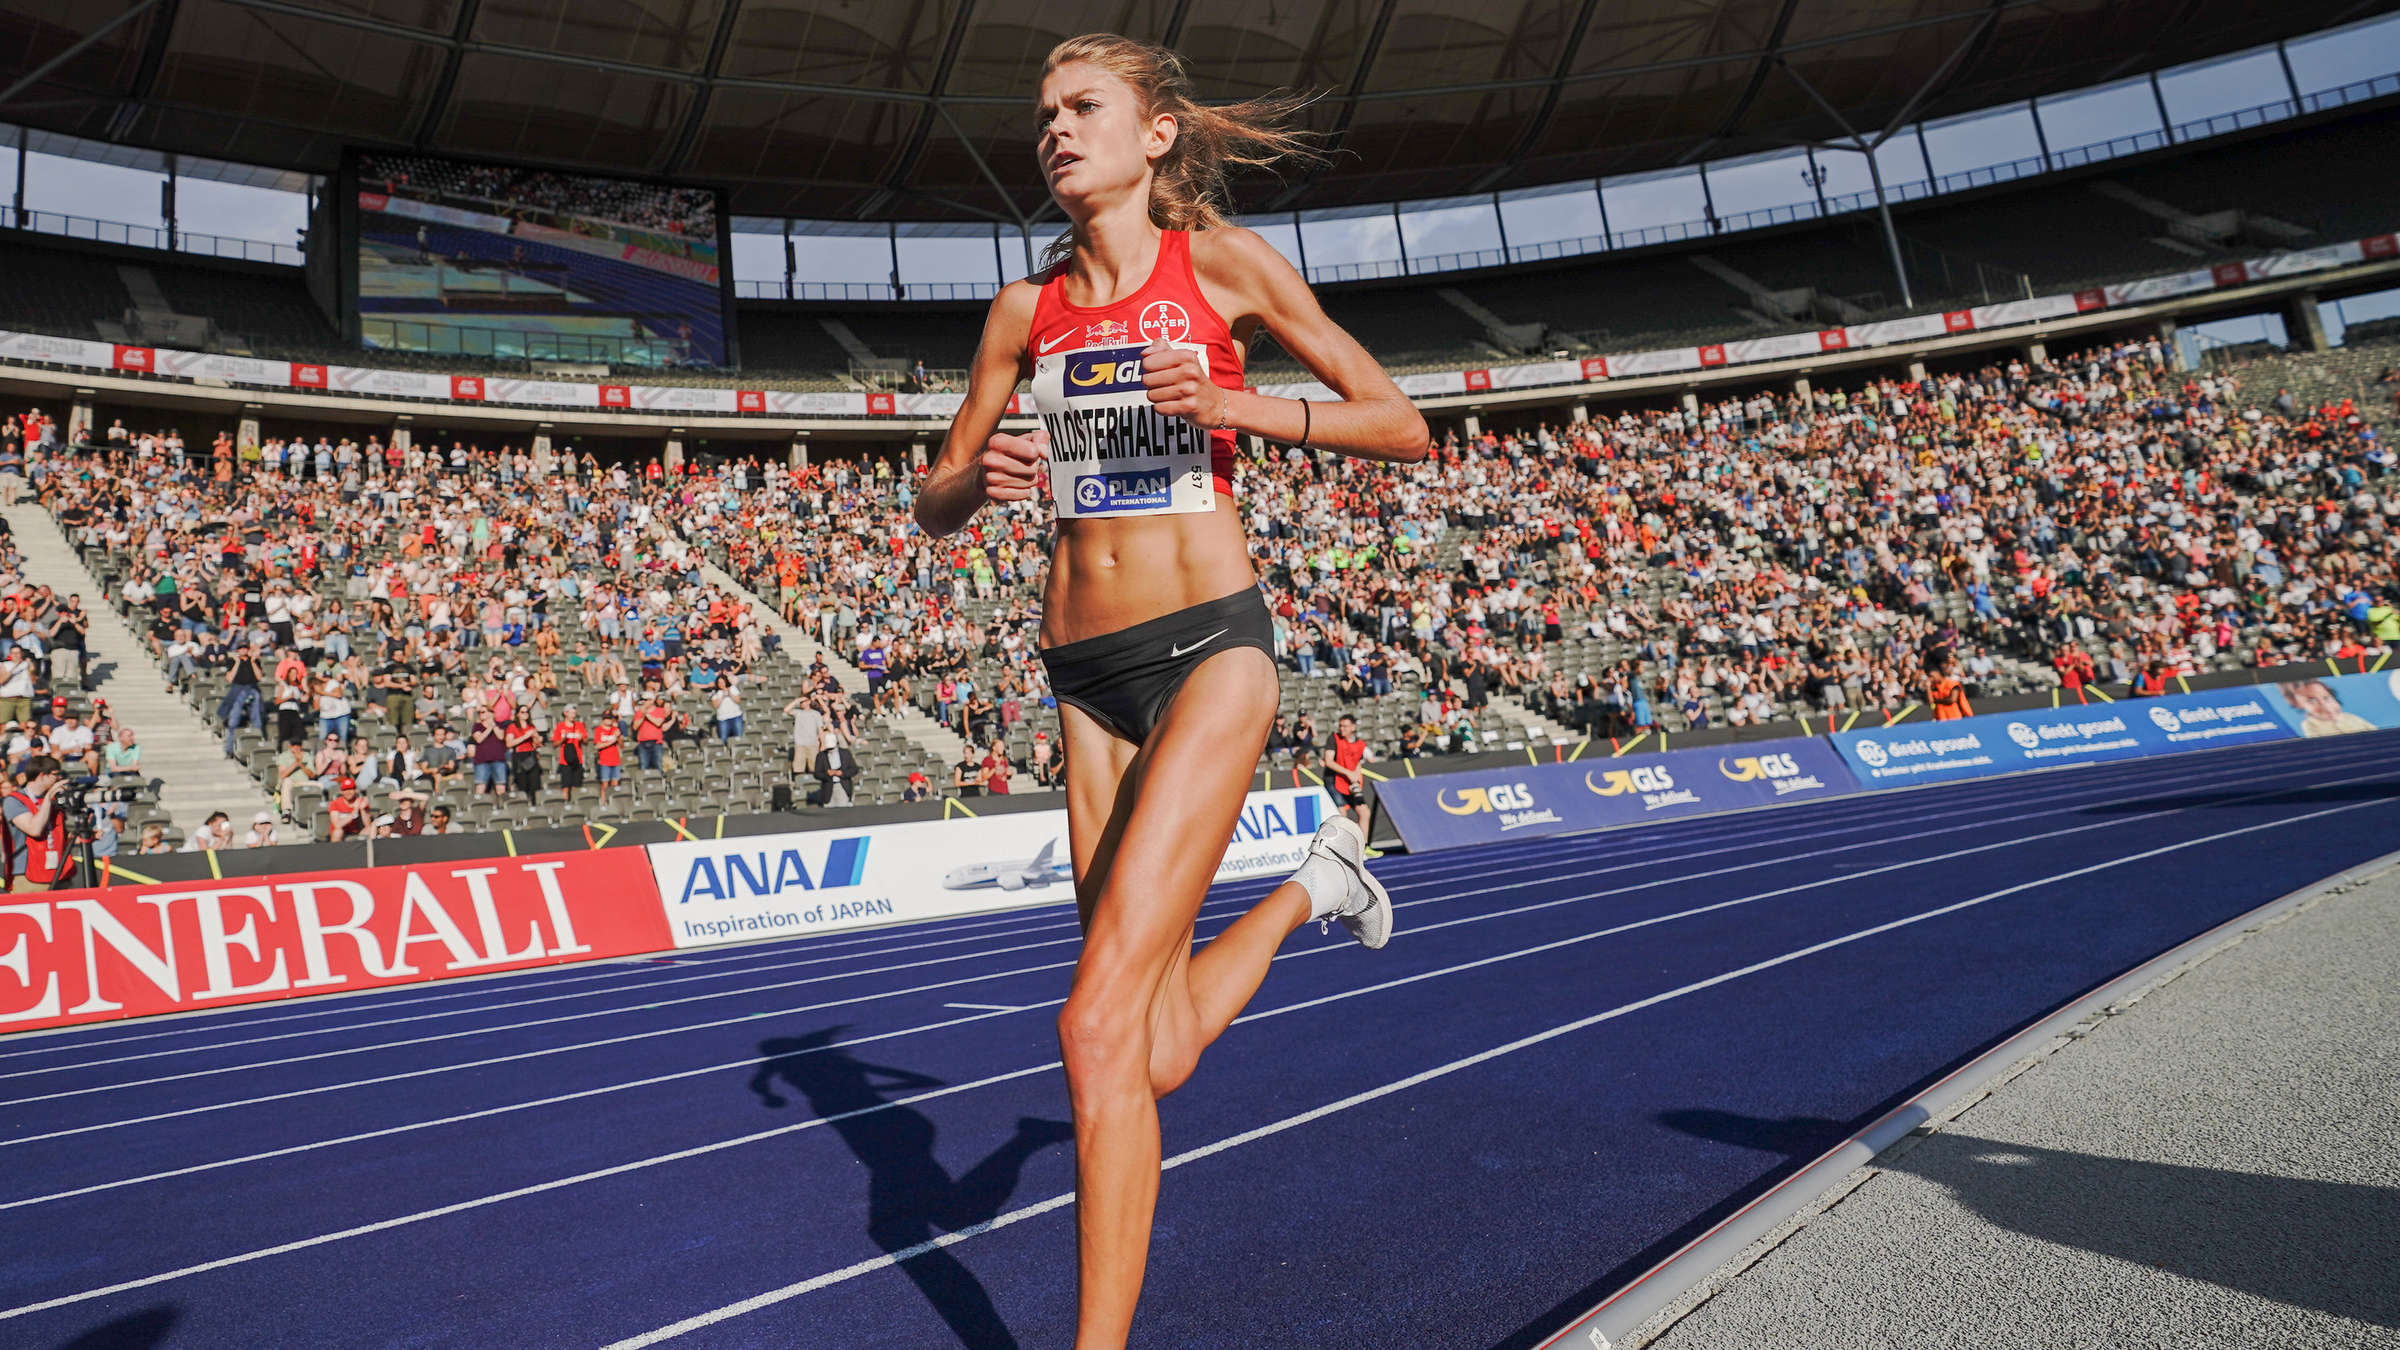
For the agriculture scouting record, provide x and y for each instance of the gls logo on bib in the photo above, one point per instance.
(1108, 371)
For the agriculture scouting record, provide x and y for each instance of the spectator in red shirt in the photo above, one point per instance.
(650, 725)
(1346, 762)
(348, 809)
(569, 734)
(608, 755)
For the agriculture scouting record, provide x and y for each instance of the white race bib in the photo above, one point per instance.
(1110, 454)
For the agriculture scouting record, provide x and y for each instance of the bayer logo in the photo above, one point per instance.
(1165, 321)
(1090, 492)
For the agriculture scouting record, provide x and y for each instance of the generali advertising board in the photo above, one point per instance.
(87, 956)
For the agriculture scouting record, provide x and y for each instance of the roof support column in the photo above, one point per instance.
(1006, 200)
(2291, 81)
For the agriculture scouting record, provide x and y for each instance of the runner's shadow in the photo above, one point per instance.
(911, 1197)
(134, 1331)
(2329, 1246)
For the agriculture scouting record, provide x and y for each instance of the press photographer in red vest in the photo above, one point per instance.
(37, 829)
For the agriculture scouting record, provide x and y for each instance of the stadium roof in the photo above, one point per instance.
(920, 109)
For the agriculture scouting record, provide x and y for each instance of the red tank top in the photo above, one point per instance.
(1109, 454)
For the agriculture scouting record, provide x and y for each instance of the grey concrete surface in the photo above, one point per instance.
(2215, 1164)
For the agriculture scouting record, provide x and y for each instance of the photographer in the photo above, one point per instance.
(37, 829)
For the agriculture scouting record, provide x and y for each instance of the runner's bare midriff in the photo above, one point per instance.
(1111, 573)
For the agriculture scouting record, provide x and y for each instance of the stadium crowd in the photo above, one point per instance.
(2105, 515)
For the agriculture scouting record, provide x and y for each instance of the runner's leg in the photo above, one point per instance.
(1149, 829)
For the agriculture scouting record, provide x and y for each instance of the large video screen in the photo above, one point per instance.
(489, 260)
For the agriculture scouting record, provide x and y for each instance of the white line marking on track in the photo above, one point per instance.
(987, 1007)
(1016, 1216)
(745, 1062)
(1664, 838)
(1667, 837)
(851, 1272)
(549, 1051)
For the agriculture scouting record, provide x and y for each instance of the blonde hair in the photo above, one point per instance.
(1187, 184)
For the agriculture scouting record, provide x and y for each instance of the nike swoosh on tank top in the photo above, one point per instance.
(1110, 454)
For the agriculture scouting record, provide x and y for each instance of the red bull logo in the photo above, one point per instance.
(1107, 330)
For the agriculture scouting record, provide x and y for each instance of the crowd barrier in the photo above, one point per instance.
(68, 957)
(1604, 791)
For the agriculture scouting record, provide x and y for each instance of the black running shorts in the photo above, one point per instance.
(1126, 679)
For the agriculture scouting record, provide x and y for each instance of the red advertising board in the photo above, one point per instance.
(134, 358)
(750, 400)
(466, 387)
(1712, 354)
(1833, 339)
(1479, 380)
(880, 405)
(1595, 367)
(2229, 273)
(306, 375)
(98, 955)
(1959, 321)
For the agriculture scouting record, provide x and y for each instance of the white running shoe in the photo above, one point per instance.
(1366, 910)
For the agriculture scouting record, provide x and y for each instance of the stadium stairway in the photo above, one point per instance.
(919, 729)
(178, 750)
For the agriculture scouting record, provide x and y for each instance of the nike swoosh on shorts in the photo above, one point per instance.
(1178, 651)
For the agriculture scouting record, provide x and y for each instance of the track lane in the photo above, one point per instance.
(966, 1115)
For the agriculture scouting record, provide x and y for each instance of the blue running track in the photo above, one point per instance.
(1576, 1055)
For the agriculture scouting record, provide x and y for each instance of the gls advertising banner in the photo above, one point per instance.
(1454, 810)
(86, 956)
(2047, 738)
(732, 890)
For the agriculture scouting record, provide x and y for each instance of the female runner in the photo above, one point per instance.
(1156, 639)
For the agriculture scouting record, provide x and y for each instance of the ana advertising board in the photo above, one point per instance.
(819, 881)
(2049, 738)
(1454, 810)
(2338, 705)
(85, 956)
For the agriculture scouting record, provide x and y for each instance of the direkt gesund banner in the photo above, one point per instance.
(732, 890)
(1454, 810)
(2049, 738)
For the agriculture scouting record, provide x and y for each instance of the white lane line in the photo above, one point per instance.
(552, 1051)
(745, 1062)
(1431, 870)
(851, 1272)
(987, 1007)
(1540, 871)
(613, 969)
(1051, 1003)
(1666, 838)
